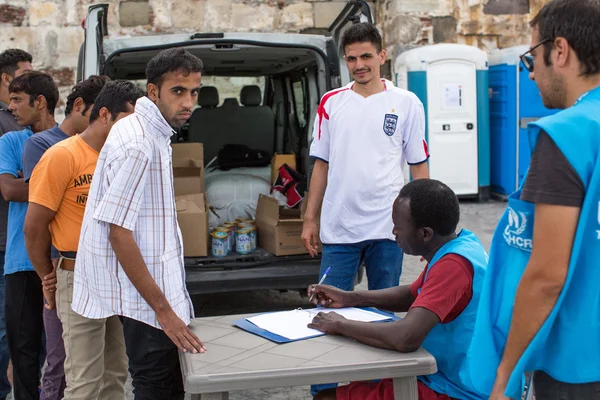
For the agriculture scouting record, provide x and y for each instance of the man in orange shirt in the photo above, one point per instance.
(96, 363)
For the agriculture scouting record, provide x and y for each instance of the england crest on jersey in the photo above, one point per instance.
(389, 124)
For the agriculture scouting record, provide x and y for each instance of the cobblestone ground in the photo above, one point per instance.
(479, 218)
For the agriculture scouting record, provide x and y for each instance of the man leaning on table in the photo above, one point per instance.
(130, 253)
(441, 303)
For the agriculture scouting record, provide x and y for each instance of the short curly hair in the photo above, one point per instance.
(36, 83)
(88, 90)
(361, 33)
(172, 60)
(432, 204)
(9, 60)
(577, 22)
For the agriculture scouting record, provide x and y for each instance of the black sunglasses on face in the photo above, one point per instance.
(527, 60)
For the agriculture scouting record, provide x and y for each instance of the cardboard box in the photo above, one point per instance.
(192, 216)
(278, 160)
(188, 168)
(279, 229)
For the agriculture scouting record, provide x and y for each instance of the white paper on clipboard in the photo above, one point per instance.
(452, 96)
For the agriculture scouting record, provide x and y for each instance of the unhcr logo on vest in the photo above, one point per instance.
(516, 233)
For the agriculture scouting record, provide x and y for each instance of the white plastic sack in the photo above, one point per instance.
(235, 196)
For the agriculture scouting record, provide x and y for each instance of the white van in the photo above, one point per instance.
(266, 84)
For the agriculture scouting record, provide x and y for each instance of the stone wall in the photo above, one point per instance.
(487, 24)
(52, 29)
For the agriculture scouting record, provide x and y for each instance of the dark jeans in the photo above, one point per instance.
(153, 362)
(547, 388)
(4, 384)
(25, 332)
(53, 380)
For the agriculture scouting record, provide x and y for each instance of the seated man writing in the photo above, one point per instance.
(441, 303)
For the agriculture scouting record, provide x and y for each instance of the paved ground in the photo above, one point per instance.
(479, 218)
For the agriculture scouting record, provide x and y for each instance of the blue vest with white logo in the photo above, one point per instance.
(567, 346)
(449, 343)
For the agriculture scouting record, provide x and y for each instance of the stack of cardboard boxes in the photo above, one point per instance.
(190, 199)
(278, 229)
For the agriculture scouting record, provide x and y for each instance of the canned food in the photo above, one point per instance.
(243, 241)
(232, 237)
(219, 243)
(230, 245)
(253, 238)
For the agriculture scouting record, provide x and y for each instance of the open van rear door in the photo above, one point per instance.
(355, 11)
(95, 31)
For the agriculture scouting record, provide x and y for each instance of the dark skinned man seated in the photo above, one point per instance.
(441, 303)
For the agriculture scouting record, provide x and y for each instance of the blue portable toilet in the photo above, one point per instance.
(451, 80)
(515, 101)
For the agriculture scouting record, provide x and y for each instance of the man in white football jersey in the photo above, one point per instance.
(363, 134)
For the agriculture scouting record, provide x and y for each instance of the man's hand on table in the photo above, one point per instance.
(180, 333)
(327, 322)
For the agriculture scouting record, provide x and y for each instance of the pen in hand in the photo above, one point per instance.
(320, 283)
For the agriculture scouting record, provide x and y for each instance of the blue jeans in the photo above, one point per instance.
(4, 357)
(382, 258)
(383, 264)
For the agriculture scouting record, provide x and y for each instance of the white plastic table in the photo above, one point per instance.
(239, 360)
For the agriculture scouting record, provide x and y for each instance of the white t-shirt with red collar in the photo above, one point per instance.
(366, 141)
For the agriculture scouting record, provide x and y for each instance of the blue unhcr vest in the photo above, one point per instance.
(449, 343)
(567, 346)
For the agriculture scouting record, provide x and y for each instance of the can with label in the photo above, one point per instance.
(230, 245)
(243, 241)
(220, 243)
(232, 227)
(232, 237)
(252, 237)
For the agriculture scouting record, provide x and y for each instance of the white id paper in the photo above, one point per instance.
(293, 324)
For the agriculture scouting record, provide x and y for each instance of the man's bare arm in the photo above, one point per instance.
(419, 171)
(37, 242)
(129, 256)
(318, 184)
(13, 189)
(405, 335)
(38, 239)
(541, 283)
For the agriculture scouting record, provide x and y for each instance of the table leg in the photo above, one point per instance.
(405, 388)
(211, 396)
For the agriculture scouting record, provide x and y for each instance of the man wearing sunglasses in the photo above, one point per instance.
(540, 305)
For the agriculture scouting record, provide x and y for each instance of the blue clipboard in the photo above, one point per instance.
(250, 327)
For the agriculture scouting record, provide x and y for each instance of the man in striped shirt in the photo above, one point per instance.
(130, 253)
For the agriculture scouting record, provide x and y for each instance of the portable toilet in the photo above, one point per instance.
(515, 101)
(451, 80)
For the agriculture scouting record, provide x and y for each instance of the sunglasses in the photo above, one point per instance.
(527, 59)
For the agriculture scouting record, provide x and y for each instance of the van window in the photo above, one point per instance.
(227, 86)
(300, 102)
(231, 86)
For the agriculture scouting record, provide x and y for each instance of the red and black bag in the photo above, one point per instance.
(291, 183)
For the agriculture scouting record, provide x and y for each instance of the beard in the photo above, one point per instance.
(554, 97)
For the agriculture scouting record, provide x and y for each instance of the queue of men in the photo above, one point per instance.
(46, 173)
(94, 283)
